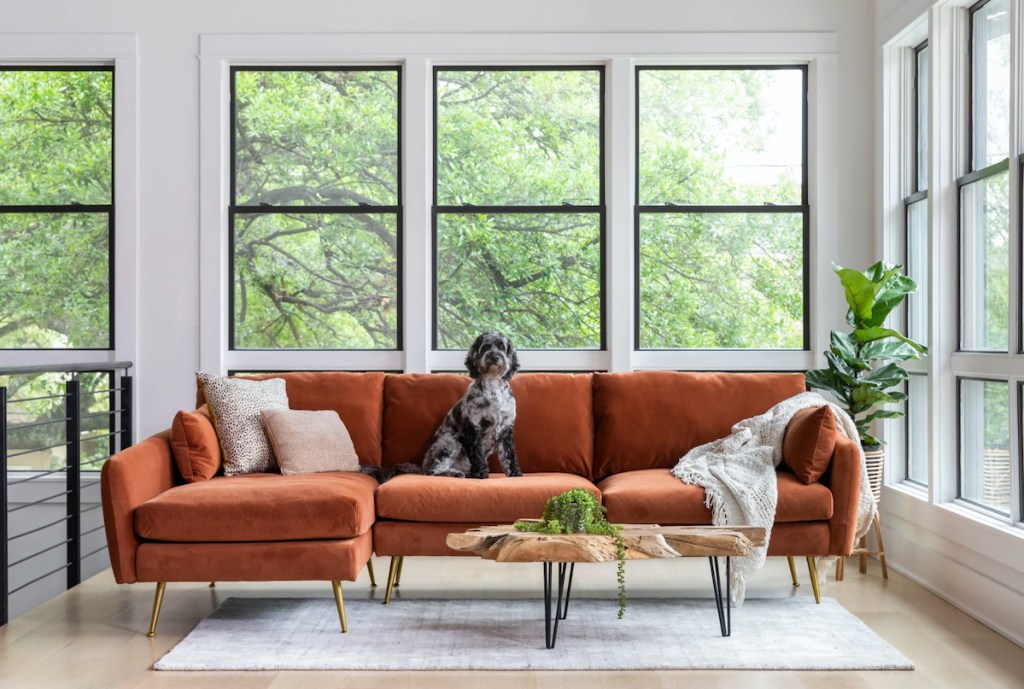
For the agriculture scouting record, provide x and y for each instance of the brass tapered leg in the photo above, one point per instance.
(813, 569)
(840, 568)
(369, 570)
(792, 570)
(881, 547)
(398, 574)
(391, 579)
(863, 554)
(336, 585)
(157, 601)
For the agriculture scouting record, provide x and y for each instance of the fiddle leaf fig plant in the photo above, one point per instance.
(862, 368)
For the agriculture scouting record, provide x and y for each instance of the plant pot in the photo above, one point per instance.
(874, 457)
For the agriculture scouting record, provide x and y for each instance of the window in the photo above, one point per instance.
(56, 207)
(722, 215)
(315, 215)
(984, 190)
(519, 211)
(916, 243)
(985, 444)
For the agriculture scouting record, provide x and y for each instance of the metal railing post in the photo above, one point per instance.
(4, 579)
(126, 413)
(74, 483)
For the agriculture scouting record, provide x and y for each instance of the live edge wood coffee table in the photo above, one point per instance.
(642, 541)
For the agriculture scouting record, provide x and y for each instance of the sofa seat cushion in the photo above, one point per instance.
(260, 507)
(495, 500)
(655, 496)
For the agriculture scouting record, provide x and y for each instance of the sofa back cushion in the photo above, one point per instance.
(649, 419)
(414, 406)
(554, 418)
(355, 396)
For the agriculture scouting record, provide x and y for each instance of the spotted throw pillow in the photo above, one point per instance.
(236, 405)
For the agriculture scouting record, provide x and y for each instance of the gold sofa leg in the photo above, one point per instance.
(336, 585)
(813, 569)
(792, 570)
(840, 568)
(157, 602)
(392, 572)
(369, 570)
(398, 574)
(213, 584)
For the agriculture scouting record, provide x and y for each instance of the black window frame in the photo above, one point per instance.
(576, 209)
(803, 208)
(72, 207)
(234, 208)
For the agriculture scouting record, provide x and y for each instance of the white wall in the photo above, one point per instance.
(168, 42)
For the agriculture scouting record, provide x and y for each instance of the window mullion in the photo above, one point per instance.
(417, 268)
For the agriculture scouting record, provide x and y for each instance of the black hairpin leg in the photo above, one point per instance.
(551, 621)
(722, 602)
(568, 587)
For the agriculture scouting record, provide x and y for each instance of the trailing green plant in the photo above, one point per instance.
(853, 374)
(578, 511)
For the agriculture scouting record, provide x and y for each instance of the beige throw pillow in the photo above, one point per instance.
(235, 405)
(307, 442)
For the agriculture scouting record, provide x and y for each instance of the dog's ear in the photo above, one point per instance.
(513, 359)
(473, 357)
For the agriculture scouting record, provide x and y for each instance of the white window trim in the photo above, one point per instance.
(417, 54)
(119, 50)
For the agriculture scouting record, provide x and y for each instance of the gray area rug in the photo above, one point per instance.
(656, 634)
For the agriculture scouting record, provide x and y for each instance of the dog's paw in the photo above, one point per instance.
(450, 473)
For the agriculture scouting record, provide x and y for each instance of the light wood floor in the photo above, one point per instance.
(94, 636)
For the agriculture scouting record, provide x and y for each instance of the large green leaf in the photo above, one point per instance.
(859, 289)
(865, 335)
(841, 369)
(844, 345)
(887, 376)
(883, 414)
(887, 349)
(826, 379)
(865, 394)
(895, 292)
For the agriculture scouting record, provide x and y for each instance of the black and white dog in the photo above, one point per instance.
(479, 424)
(482, 421)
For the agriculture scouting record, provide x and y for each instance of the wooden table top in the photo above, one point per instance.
(643, 541)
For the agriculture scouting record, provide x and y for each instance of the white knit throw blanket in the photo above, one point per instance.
(737, 474)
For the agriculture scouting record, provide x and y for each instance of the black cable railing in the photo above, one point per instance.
(90, 418)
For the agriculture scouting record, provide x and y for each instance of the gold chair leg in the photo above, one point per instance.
(392, 571)
(213, 584)
(369, 570)
(881, 547)
(398, 574)
(813, 569)
(341, 606)
(840, 568)
(157, 602)
(792, 570)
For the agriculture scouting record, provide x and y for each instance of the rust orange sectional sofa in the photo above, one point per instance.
(615, 434)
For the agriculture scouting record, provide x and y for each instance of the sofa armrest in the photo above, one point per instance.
(843, 479)
(128, 479)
